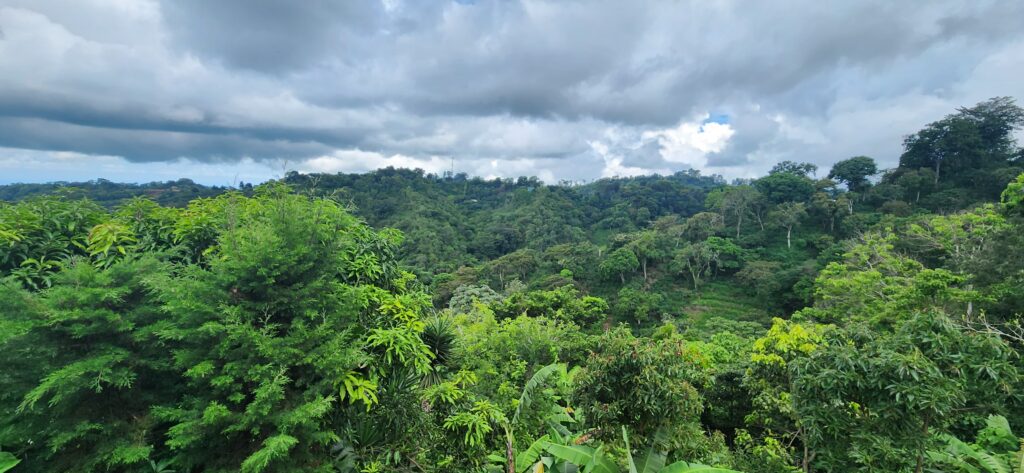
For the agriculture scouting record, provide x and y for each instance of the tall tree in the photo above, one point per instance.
(854, 172)
(950, 142)
(770, 380)
(648, 247)
(299, 325)
(792, 167)
(789, 215)
(695, 259)
(975, 137)
(960, 239)
(785, 187)
(996, 119)
(917, 181)
(518, 263)
(620, 262)
(701, 226)
(86, 367)
(736, 201)
(830, 209)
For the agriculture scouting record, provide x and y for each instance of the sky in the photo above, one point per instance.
(233, 91)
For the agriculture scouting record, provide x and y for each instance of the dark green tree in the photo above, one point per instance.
(639, 305)
(641, 385)
(792, 167)
(785, 187)
(973, 138)
(876, 401)
(736, 202)
(701, 226)
(854, 172)
(87, 364)
(788, 215)
(620, 262)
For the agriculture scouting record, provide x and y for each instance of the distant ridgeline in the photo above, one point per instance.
(111, 194)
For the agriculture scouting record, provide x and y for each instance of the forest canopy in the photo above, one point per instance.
(864, 320)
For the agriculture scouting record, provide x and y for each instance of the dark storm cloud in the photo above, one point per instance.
(58, 108)
(146, 145)
(646, 155)
(521, 82)
(269, 35)
(756, 131)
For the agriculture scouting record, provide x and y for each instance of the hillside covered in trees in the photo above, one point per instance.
(839, 320)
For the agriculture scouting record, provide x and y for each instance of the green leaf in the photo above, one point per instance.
(590, 459)
(683, 467)
(273, 448)
(990, 463)
(950, 459)
(7, 461)
(654, 460)
(530, 456)
(536, 380)
(629, 451)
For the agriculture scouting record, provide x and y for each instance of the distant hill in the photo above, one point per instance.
(110, 194)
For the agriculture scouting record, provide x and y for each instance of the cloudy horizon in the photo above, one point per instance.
(230, 91)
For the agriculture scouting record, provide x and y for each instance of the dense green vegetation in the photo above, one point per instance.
(111, 194)
(399, 321)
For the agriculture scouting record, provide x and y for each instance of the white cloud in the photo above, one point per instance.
(362, 161)
(18, 165)
(690, 142)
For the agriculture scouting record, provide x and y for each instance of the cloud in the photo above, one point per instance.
(565, 90)
(691, 142)
(349, 161)
(20, 165)
(269, 35)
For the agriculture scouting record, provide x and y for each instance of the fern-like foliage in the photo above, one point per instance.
(996, 450)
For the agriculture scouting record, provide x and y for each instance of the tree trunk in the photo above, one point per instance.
(920, 453)
(644, 265)
(808, 458)
(938, 164)
(622, 277)
(917, 198)
(970, 304)
(509, 452)
(789, 232)
(739, 223)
